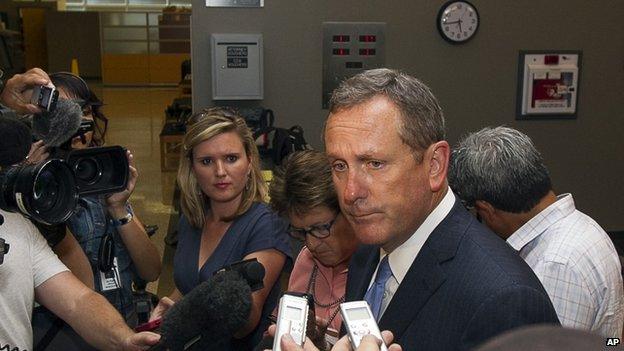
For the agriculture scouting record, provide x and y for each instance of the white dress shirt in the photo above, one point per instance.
(401, 259)
(576, 262)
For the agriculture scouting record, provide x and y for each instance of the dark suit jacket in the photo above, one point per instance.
(465, 286)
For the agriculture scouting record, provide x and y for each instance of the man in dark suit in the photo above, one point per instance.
(431, 273)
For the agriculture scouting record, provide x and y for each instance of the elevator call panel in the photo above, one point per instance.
(348, 49)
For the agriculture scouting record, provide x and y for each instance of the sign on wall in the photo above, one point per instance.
(548, 84)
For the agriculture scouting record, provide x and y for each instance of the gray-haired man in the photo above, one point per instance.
(500, 173)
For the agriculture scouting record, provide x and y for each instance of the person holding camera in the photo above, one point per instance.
(108, 220)
(30, 271)
(224, 218)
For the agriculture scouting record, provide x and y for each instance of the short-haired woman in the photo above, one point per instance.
(302, 190)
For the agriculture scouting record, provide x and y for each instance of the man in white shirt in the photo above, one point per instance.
(30, 271)
(501, 174)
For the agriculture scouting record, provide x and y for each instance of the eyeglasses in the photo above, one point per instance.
(320, 231)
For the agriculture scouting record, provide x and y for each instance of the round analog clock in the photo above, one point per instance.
(458, 21)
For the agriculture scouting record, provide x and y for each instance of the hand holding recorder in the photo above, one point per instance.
(362, 330)
(369, 343)
(19, 91)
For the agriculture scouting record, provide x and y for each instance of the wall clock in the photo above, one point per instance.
(458, 21)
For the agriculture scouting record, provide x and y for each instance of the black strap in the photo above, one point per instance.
(267, 118)
(57, 325)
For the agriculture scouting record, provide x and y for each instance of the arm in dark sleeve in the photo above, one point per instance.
(508, 308)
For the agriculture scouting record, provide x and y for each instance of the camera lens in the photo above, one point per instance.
(88, 170)
(45, 192)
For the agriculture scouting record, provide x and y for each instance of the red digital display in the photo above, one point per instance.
(368, 38)
(341, 52)
(551, 59)
(341, 38)
(367, 52)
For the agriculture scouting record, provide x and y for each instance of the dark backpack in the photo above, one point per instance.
(257, 118)
(284, 142)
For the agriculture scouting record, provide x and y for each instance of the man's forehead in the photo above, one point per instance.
(371, 112)
(350, 121)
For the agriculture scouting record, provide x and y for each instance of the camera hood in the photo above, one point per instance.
(99, 170)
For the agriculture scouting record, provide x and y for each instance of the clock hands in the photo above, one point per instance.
(458, 22)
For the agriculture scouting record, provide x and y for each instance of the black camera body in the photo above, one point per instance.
(99, 170)
(48, 191)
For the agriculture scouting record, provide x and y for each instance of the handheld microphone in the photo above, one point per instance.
(15, 141)
(251, 270)
(207, 317)
(57, 126)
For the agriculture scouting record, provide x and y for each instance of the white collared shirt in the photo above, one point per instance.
(576, 262)
(402, 257)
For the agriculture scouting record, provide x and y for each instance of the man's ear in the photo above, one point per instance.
(438, 156)
(485, 210)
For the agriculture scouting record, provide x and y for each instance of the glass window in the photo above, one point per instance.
(123, 33)
(122, 18)
(106, 2)
(147, 2)
(180, 2)
(124, 47)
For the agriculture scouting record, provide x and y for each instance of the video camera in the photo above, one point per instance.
(48, 191)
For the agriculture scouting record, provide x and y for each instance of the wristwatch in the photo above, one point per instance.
(123, 220)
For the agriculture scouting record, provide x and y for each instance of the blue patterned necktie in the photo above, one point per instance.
(374, 295)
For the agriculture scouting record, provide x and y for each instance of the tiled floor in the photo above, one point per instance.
(136, 116)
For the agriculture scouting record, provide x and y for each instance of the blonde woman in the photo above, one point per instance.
(224, 219)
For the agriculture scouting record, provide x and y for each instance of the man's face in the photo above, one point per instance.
(383, 192)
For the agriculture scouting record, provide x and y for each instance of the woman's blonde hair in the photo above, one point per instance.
(201, 127)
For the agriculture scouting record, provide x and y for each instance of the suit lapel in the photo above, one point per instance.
(421, 281)
(361, 268)
(425, 275)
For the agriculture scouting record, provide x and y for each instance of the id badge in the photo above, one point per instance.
(110, 280)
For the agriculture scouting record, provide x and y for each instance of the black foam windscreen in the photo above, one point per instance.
(57, 126)
(208, 315)
(251, 270)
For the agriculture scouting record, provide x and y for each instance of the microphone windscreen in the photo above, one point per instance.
(209, 314)
(15, 141)
(254, 274)
(57, 126)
